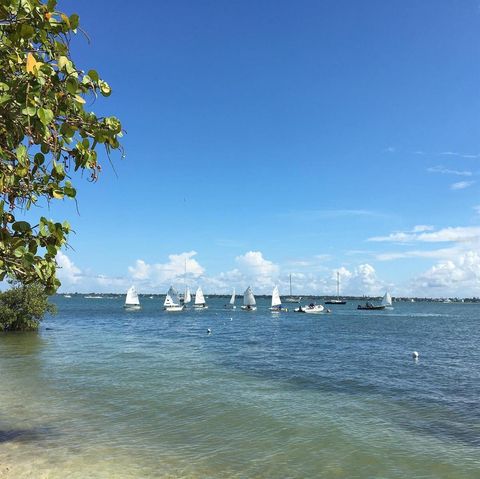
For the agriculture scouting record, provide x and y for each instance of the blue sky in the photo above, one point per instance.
(270, 137)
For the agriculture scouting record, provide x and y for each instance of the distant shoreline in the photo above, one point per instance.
(321, 298)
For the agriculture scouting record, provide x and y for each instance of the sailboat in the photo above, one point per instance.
(231, 304)
(187, 297)
(338, 300)
(276, 301)
(172, 301)
(387, 301)
(131, 300)
(292, 299)
(199, 300)
(249, 303)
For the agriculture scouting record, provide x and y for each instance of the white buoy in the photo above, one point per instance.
(415, 355)
(209, 331)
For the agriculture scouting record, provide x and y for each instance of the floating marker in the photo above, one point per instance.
(209, 331)
(415, 355)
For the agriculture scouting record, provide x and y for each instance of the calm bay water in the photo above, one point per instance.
(102, 393)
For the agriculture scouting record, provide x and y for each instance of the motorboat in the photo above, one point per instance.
(370, 306)
(311, 308)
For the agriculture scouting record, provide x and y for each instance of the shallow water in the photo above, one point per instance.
(101, 392)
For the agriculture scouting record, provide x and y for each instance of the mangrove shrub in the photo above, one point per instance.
(23, 307)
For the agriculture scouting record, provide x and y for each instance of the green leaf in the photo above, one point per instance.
(21, 154)
(74, 21)
(105, 88)
(45, 115)
(70, 191)
(29, 111)
(65, 19)
(21, 227)
(62, 62)
(39, 159)
(93, 75)
(72, 85)
(58, 194)
(26, 31)
(67, 130)
(5, 98)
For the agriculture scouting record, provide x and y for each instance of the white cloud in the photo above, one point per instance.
(141, 270)
(477, 209)
(453, 277)
(74, 279)
(461, 155)
(67, 272)
(450, 234)
(323, 257)
(162, 274)
(312, 215)
(461, 185)
(446, 171)
(365, 281)
(253, 262)
(422, 228)
(394, 237)
(258, 270)
(362, 280)
(437, 253)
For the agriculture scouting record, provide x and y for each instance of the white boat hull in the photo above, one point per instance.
(132, 306)
(200, 306)
(174, 309)
(314, 309)
(249, 308)
(276, 309)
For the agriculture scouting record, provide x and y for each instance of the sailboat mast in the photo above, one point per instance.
(338, 285)
(185, 283)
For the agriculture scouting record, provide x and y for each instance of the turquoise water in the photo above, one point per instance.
(105, 393)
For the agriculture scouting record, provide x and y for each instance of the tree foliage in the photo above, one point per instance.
(23, 307)
(46, 133)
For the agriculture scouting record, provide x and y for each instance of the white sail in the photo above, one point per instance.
(199, 298)
(169, 301)
(232, 299)
(276, 301)
(249, 298)
(188, 296)
(172, 298)
(132, 297)
(387, 299)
